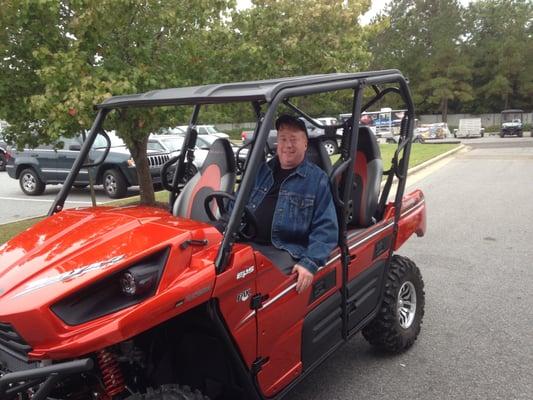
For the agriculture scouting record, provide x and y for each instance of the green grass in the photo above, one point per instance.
(419, 154)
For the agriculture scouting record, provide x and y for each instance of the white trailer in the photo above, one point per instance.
(470, 127)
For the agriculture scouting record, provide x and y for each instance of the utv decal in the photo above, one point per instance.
(196, 294)
(244, 273)
(67, 276)
(243, 296)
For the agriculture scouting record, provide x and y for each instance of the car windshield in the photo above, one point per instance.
(100, 141)
(172, 144)
(210, 129)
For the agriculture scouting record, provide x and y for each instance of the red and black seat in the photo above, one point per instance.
(216, 174)
(368, 172)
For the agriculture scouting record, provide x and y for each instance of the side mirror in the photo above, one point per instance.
(75, 147)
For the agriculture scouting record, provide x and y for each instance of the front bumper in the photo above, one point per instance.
(40, 381)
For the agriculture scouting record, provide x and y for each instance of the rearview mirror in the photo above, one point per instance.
(74, 147)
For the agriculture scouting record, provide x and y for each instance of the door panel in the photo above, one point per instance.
(281, 321)
(364, 293)
(322, 329)
(234, 289)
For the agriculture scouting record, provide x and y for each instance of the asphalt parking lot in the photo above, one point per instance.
(15, 205)
(476, 257)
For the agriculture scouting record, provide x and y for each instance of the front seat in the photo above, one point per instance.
(216, 174)
(317, 154)
(364, 196)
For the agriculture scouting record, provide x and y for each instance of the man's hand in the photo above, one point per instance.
(305, 278)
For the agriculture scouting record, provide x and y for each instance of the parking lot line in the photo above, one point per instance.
(41, 200)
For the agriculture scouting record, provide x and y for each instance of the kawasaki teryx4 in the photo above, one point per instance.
(139, 302)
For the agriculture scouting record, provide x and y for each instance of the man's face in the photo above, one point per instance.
(292, 144)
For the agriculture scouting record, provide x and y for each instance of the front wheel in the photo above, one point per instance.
(170, 392)
(115, 185)
(331, 147)
(30, 183)
(399, 319)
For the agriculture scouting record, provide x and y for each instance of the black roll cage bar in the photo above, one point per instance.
(263, 126)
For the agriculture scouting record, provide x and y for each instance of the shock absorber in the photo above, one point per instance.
(111, 373)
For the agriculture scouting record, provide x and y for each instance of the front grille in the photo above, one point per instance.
(158, 160)
(12, 343)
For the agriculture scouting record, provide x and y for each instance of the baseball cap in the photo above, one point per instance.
(292, 121)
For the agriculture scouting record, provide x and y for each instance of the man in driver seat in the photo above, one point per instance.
(293, 205)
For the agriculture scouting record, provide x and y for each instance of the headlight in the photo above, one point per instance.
(113, 293)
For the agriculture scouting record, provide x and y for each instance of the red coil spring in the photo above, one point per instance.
(111, 373)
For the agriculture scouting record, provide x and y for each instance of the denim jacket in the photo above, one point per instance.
(305, 221)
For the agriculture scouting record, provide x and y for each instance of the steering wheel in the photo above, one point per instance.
(248, 226)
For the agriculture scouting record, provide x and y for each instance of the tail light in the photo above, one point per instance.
(9, 155)
(243, 135)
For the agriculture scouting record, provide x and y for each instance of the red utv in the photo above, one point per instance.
(144, 303)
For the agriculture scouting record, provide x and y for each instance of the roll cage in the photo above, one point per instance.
(265, 97)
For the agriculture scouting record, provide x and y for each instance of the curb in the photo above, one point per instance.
(413, 170)
(427, 163)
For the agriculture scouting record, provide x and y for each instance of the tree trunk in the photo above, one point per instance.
(444, 109)
(140, 157)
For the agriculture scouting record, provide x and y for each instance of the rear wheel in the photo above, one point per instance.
(114, 183)
(398, 322)
(30, 183)
(170, 392)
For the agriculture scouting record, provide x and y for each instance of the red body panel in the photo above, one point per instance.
(75, 238)
(234, 288)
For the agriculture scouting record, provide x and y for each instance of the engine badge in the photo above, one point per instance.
(67, 276)
(242, 274)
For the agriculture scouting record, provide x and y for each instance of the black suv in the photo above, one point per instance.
(36, 168)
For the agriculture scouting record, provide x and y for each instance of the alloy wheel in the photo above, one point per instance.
(406, 304)
(29, 183)
(110, 184)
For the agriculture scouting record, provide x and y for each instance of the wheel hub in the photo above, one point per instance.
(406, 304)
(29, 182)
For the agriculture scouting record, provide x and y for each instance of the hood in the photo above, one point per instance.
(75, 247)
(48, 270)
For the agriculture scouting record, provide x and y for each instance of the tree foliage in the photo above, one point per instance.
(63, 57)
(423, 39)
(500, 44)
(60, 57)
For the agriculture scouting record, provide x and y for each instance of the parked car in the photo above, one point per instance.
(206, 130)
(172, 144)
(49, 165)
(330, 144)
(511, 123)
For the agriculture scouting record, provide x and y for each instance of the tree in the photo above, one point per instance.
(500, 42)
(297, 37)
(59, 58)
(423, 38)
